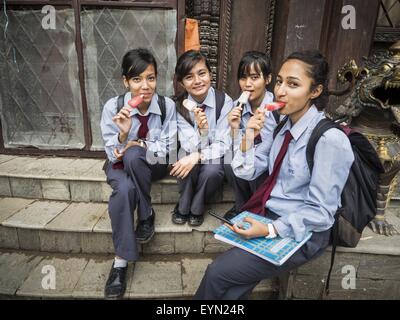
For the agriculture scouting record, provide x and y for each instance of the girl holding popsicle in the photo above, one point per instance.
(254, 75)
(139, 130)
(297, 200)
(202, 129)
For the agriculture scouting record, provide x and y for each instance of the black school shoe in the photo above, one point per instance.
(195, 221)
(145, 229)
(116, 283)
(179, 218)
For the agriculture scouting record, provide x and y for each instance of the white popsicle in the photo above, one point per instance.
(244, 97)
(190, 105)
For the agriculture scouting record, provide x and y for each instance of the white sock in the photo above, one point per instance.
(120, 263)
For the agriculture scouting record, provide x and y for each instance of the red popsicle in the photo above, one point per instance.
(135, 101)
(272, 106)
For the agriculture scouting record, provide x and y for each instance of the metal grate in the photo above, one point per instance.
(39, 88)
(389, 14)
(107, 34)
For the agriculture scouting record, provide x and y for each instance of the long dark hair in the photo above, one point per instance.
(184, 65)
(318, 71)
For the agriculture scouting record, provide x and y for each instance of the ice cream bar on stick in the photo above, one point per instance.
(190, 105)
(272, 106)
(135, 101)
(244, 97)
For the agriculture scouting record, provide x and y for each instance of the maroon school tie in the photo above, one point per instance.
(143, 129)
(202, 107)
(256, 203)
(257, 139)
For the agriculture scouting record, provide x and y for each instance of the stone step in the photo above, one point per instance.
(78, 227)
(78, 276)
(72, 179)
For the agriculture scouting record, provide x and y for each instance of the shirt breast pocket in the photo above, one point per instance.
(297, 178)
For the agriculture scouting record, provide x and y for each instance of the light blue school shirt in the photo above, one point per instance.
(160, 139)
(215, 144)
(303, 202)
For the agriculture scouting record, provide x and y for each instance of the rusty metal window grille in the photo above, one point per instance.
(54, 84)
(39, 86)
(389, 14)
(106, 35)
(387, 25)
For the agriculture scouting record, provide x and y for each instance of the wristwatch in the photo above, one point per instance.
(271, 231)
(142, 143)
(201, 158)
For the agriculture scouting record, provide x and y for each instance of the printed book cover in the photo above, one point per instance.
(276, 251)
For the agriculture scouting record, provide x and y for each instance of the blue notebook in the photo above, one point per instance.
(276, 251)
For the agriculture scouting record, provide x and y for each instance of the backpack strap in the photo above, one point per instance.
(279, 126)
(120, 102)
(334, 240)
(321, 127)
(163, 109)
(219, 103)
(276, 115)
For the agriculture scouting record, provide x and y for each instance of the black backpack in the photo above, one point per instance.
(120, 105)
(359, 194)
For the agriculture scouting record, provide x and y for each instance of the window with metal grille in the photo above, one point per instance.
(54, 83)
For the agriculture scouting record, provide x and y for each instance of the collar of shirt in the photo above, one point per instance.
(153, 108)
(209, 101)
(268, 97)
(301, 125)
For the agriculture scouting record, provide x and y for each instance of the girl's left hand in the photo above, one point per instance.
(183, 167)
(257, 229)
(120, 153)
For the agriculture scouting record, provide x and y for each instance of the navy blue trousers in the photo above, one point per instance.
(131, 188)
(234, 274)
(198, 187)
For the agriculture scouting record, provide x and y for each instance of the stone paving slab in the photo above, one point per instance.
(5, 157)
(379, 244)
(36, 215)
(89, 189)
(21, 166)
(56, 189)
(78, 217)
(9, 206)
(104, 223)
(153, 279)
(67, 274)
(26, 188)
(65, 242)
(74, 169)
(31, 167)
(52, 167)
(5, 187)
(14, 269)
(192, 273)
(9, 238)
(92, 281)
